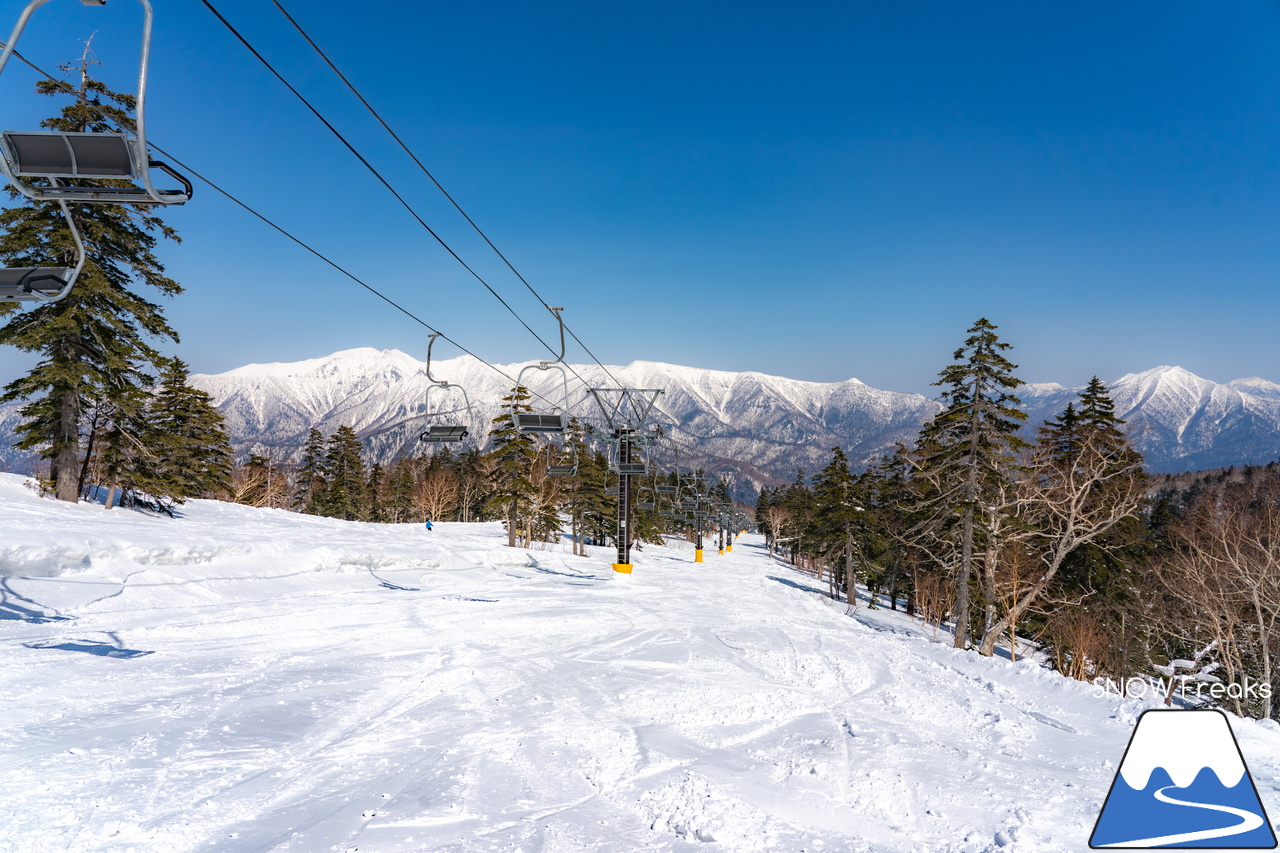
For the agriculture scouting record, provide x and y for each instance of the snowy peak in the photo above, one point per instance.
(1181, 421)
(1257, 387)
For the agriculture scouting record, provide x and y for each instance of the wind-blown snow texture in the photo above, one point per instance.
(251, 680)
(749, 426)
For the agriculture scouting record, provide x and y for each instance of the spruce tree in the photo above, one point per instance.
(94, 343)
(375, 494)
(186, 438)
(1063, 433)
(839, 504)
(400, 484)
(967, 451)
(311, 475)
(125, 461)
(345, 478)
(512, 456)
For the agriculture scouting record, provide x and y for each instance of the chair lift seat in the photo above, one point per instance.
(26, 284)
(633, 468)
(534, 422)
(67, 155)
(561, 470)
(611, 491)
(644, 505)
(444, 432)
(668, 490)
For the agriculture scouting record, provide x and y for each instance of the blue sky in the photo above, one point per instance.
(818, 190)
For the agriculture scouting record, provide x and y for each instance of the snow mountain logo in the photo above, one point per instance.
(1183, 783)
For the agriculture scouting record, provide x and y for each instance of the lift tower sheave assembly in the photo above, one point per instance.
(626, 413)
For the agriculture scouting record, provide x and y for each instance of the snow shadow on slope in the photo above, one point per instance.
(27, 611)
(800, 586)
(113, 649)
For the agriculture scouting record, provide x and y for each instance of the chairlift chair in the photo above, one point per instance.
(548, 422)
(61, 157)
(43, 284)
(568, 469)
(442, 432)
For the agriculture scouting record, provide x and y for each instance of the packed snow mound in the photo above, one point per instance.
(243, 680)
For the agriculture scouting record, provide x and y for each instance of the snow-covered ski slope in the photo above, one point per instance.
(254, 680)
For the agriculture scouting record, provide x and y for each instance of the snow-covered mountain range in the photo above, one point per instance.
(755, 427)
(752, 426)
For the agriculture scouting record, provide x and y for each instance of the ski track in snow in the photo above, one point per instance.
(315, 685)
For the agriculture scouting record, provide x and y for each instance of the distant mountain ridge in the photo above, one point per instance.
(749, 426)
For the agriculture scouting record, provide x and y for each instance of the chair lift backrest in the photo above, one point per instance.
(69, 155)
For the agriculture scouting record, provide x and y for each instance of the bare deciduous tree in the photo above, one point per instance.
(1065, 505)
(436, 494)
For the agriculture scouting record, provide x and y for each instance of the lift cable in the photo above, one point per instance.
(385, 126)
(297, 240)
(347, 144)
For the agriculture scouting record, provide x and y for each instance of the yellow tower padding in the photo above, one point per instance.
(622, 568)
(697, 555)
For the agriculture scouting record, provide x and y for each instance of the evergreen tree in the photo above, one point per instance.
(311, 475)
(837, 520)
(345, 477)
(889, 497)
(190, 450)
(797, 499)
(1063, 433)
(512, 456)
(967, 452)
(398, 500)
(124, 460)
(93, 343)
(375, 493)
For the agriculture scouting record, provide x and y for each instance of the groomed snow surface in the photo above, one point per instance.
(254, 680)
